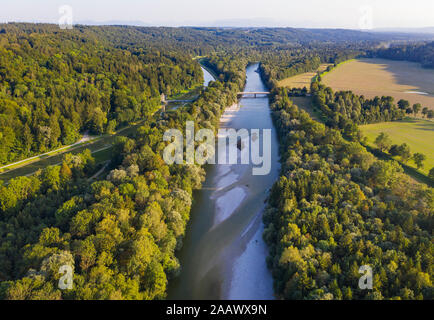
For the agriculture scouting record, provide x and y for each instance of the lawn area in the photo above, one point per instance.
(380, 77)
(302, 80)
(417, 133)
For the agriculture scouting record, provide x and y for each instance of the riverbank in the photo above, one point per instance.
(224, 236)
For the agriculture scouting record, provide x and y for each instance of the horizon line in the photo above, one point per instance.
(151, 25)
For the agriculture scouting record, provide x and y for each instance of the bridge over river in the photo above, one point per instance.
(253, 93)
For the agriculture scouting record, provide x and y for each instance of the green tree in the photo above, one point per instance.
(416, 108)
(394, 150)
(403, 104)
(419, 159)
(383, 142)
(431, 173)
(404, 152)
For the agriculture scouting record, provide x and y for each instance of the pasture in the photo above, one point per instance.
(380, 77)
(301, 80)
(417, 133)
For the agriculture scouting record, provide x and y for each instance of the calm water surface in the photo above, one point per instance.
(223, 256)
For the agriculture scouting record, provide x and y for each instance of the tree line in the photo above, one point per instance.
(422, 53)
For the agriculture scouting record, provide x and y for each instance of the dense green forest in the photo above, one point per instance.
(120, 233)
(335, 208)
(56, 85)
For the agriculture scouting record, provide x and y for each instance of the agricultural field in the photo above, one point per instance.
(418, 134)
(380, 77)
(302, 80)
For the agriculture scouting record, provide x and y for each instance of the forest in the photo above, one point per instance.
(55, 86)
(422, 53)
(120, 233)
(334, 208)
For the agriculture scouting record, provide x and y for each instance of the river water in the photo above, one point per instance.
(223, 255)
(207, 77)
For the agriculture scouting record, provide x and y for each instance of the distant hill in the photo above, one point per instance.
(210, 39)
(136, 23)
(426, 30)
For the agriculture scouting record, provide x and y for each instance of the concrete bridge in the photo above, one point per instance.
(254, 93)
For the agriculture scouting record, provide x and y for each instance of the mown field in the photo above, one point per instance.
(380, 77)
(301, 80)
(305, 103)
(418, 134)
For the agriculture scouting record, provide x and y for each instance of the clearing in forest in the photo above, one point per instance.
(302, 80)
(305, 103)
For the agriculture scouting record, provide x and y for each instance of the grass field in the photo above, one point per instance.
(191, 93)
(301, 80)
(418, 134)
(379, 77)
(305, 103)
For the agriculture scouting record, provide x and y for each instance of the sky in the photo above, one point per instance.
(351, 14)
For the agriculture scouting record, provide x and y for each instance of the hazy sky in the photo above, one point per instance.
(294, 13)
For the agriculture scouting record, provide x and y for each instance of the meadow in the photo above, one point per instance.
(417, 133)
(302, 80)
(380, 77)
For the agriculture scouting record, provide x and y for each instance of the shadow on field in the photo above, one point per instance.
(407, 73)
(419, 177)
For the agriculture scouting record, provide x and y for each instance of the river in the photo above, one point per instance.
(223, 254)
(207, 77)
